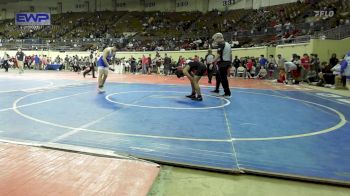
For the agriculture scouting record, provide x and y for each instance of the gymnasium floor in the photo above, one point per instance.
(265, 128)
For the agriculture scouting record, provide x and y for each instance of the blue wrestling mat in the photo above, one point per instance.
(296, 134)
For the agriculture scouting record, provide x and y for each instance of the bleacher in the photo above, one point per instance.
(176, 30)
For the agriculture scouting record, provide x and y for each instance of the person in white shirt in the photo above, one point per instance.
(262, 73)
(292, 65)
(209, 61)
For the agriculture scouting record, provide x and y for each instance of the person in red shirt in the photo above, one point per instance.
(181, 62)
(196, 58)
(249, 66)
(305, 63)
(282, 76)
(144, 62)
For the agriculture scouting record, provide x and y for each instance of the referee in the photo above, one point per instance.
(223, 60)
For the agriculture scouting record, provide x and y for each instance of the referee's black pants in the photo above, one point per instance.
(221, 78)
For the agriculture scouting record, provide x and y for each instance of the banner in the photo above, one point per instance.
(36, 19)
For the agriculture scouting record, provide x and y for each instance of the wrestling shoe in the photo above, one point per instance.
(191, 96)
(226, 96)
(197, 98)
(100, 90)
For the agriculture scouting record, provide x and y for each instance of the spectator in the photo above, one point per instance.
(236, 63)
(6, 62)
(315, 63)
(20, 60)
(280, 62)
(305, 63)
(333, 61)
(44, 61)
(167, 64)
(296, 74)
(249, 66)
(181, 61)
(337, 76)
(290, 66)
(27, 62)
(326, 75)
(36, 62)
(240, 71)
(336, 69)
(196, 58)
(271, 65)
(144, 61)
(132, 64)
(262, 61)
(149, 64)
(282, 76)
(262, 73)
(58, 60)
(66, 62)
(345, 69)
(209, 61)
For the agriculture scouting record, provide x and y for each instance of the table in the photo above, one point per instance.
(53, 66)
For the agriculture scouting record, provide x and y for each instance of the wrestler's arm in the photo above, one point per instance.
(186, 72)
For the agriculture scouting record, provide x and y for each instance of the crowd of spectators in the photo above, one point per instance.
(306, 68)
(37, 62)
(165, 31)
(186, 30)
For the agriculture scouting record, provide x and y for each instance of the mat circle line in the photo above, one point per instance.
(108, 98)
(49, 84)
(342, 122)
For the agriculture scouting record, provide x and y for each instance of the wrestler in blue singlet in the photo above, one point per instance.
(101, 63)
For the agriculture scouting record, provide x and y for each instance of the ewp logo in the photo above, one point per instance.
(33, 19)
